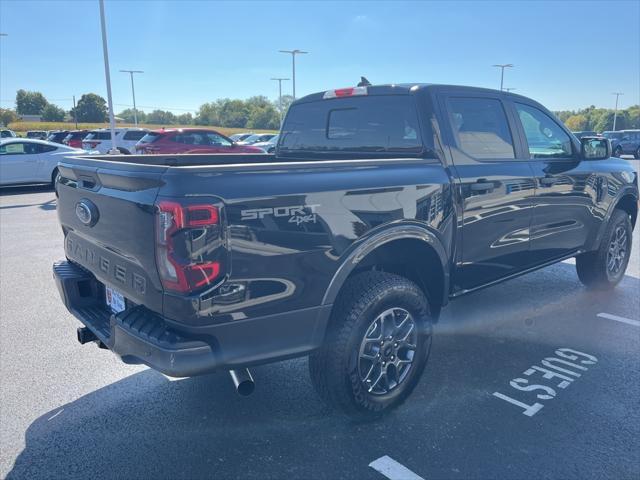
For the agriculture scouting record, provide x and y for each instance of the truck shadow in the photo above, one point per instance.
(145, 426)
(9, 190)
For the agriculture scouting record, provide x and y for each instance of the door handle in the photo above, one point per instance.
(548, 181)
(482, 186)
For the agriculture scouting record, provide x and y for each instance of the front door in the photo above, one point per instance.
(496, 188)
(567, 189)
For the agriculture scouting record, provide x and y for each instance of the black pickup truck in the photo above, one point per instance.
(380, 205)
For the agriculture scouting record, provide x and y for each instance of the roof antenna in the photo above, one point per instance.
(364, 82)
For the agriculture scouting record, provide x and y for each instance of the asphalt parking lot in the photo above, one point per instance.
(483, 409)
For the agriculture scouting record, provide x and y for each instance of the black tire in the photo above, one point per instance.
(600, 269)
(54, 175)
(124, 151)
(637, 154)
(617, 152)
(336, 367)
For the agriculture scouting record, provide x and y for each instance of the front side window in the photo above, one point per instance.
(217, 140)
(545, 137)
(480, 128)
(12, 149)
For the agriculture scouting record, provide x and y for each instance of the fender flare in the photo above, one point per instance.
(628, 190)
(399, 232)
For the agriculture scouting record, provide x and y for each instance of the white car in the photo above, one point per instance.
(269, 146)
(24, 160)
(258, 137)
(238, 137)
(126, 139)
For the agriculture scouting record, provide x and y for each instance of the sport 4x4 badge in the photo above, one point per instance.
(297, 213)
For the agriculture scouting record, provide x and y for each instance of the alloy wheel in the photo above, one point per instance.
(387, 351)
(617, 253)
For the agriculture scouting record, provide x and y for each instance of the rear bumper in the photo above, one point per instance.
(139, 335)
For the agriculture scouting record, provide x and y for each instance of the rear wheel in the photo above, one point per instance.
(637, 154)
(605, 267)
(377, 345)
(124, 151)
(618, 151)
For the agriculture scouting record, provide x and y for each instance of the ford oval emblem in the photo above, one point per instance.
(87, 212)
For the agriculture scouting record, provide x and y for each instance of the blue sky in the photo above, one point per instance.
(567, 55)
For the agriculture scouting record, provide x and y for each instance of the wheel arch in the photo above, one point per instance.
(627, 201)
(408, 250)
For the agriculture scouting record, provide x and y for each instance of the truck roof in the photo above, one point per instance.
(410, 88)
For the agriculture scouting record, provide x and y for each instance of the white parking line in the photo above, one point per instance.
(628, 321)
(393, 470)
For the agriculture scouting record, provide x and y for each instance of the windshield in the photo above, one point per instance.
(150, 137)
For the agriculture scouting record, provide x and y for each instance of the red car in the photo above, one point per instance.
(190, 140)
(74, 138)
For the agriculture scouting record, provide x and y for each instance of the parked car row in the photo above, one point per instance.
(31, 160)
(162, 141)
(623, 142)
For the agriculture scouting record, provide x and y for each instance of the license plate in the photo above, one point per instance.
(115, 300)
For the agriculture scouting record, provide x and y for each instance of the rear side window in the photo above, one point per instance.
(150, 137)
(134, 135)
(480, 128)
(375, 123)
(99, 136)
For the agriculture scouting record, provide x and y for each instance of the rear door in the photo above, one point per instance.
(495, 187)
(567, 189)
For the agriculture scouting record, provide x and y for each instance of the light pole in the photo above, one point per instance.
(4, 34)
(280, 80)
(75, 112)
(133, 92)
(502, 66)
(615, 112)
(293, 62)
(112, 122)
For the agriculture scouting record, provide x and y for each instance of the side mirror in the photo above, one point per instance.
(595, 148)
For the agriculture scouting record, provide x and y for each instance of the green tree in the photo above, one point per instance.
(161, 117)
(233, 113)
(128, 116)
(30, 103)
(53, 113)
(184, 119)
(634, 117)
(208, 114)
(577, 122)
(7, 116)
(287, 100)
(91, 108)
(264, 118)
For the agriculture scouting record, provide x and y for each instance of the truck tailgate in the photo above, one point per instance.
(106, 210)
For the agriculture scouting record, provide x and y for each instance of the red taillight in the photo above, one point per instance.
(345, 92)
(200, 215)
(184, 274)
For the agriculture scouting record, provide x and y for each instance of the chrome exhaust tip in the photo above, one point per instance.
(243, 381)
